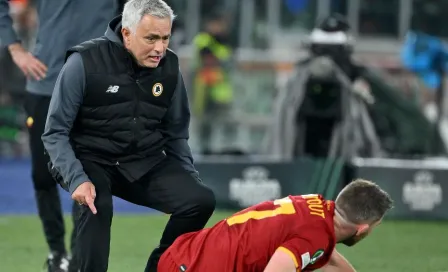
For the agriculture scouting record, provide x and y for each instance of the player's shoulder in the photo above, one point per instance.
(313, 208)
(307, 197)
(311, 200)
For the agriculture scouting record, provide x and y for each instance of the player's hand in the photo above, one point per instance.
(85, 195)
(27, 63)
(338, 263)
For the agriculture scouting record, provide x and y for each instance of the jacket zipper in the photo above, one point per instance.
(134, 115)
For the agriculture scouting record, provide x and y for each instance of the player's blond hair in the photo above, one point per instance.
(363, 201)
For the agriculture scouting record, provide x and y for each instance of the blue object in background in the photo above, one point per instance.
(296, 6)
(421, 54)
(17, 193)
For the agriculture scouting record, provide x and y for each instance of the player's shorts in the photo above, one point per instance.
(167, 264)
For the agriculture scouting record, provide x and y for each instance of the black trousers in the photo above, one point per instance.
(46, 188)
(167, 188)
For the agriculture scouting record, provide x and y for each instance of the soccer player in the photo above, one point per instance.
(296, 233)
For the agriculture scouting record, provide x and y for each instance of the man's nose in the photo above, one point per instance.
(159, 47)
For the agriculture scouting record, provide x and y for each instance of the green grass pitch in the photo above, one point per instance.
(405, 246)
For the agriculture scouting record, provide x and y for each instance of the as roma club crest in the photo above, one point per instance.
(157, 89)
(29, 122)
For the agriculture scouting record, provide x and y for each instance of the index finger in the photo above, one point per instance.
(90, 203)
(38, 62)
(35, 73)
(41, 66)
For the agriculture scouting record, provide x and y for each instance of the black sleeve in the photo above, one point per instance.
(177, 123)
(67, 98)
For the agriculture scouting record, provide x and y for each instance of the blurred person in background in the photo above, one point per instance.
(308, 113)
(178, 34)
(61, 25)
(12, 79)
(425, 54)
(212, 88)
(13, 134)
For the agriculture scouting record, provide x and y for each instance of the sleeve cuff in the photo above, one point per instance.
(195, 174)
(9, 38)
(74, 184)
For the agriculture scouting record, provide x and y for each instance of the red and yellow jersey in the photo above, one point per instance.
(301, 226)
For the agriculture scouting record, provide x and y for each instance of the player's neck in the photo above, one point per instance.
(342, 230)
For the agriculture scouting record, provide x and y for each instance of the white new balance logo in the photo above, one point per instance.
(112, 89)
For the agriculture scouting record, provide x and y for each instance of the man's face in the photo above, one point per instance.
(360, 234)
(150, 40)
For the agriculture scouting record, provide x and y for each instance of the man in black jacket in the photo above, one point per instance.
(62, 24)
(118, 125)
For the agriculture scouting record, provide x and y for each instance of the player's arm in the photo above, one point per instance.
(338, 263)
(282, 261)
(293, 255)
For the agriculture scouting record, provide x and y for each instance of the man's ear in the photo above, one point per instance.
(362, 229)
(126, 33)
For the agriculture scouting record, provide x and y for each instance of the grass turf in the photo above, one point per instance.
(395, 246)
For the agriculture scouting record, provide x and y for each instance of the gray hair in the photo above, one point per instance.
(134, 10)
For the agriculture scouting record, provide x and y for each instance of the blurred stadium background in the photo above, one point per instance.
(285, 99)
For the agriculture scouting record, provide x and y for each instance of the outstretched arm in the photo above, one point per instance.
(338, 263)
